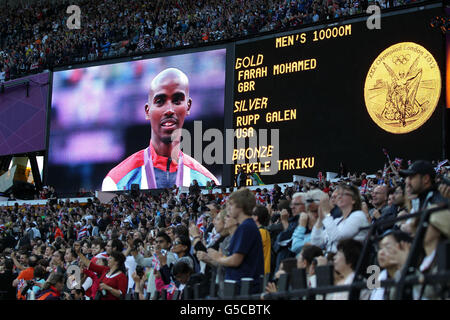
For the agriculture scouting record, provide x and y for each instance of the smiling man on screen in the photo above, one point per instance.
(162, 164)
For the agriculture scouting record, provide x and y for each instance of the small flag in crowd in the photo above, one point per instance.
(224, 200)
(260, 198)
(171, 288)
(200, 224)
(440, 164)
(398, 162)
(155, 262)
(384, 171)
(258, 179)
(83, 233)
(320, 176)
(141, 43)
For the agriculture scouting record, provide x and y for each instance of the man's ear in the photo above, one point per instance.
(147, 109)
(189, 104)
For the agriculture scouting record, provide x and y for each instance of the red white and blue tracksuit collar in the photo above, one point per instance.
(153, 160)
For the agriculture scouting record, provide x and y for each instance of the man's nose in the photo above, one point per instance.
(169, 109)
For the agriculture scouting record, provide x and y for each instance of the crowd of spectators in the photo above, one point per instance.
(35, 37)
(148, 244)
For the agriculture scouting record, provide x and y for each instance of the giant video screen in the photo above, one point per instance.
(118, 125)
(332, 98)
(23, 113)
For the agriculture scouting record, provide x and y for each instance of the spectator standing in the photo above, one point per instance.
(113, 279)
(262, 218)
(246, 257)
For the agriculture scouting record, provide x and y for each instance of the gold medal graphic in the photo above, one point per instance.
(402, 88)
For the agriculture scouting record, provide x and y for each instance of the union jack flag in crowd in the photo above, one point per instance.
(201, 224)
(155, 262)
(83, 233)
(260, 198)
(398, 162)
(440, 164)
(385, 170)
(171, 288)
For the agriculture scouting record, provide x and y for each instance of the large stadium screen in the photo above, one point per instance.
(318, 100)
(23, 113)
(114, 126)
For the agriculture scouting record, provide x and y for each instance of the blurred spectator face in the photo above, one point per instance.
(76, 296)
(399, 199)
(23, 259)
(345, 199)
(233, 210)
(96, 249)
(170, 234)
(333, 198)
(379, 196)
(162, 243)
(297, 205)
(86, 249)
(301, 262)
(108, 247)
(68, 256)
(340, 264)
(56, 258)
(385, 247)
(178, 247)
(112, 263)
(230, 222)
(416, 183)
(48, 252)
(218, 224)
(390, 200)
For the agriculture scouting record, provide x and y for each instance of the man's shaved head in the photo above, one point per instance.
(170, 75)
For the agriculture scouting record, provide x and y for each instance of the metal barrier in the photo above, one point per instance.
(294, 285)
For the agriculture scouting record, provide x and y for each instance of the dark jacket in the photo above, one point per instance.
(49, 294)
(282, 243)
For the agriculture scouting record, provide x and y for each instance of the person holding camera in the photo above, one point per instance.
(307, 220)
(113, 279)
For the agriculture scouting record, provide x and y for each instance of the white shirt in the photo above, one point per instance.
(130, 264)
(343, 295)
(334, 230)
(378, 293)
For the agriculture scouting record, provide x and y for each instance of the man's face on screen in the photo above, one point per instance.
(168, 105)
